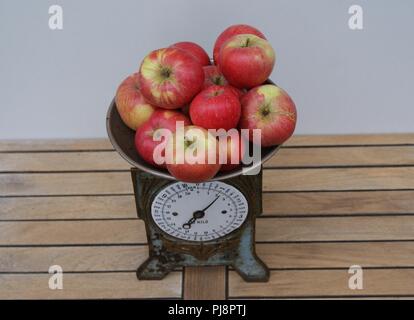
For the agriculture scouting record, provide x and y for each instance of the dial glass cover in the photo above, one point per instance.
(199, 211)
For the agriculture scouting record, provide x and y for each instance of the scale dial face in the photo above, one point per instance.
(199, 211)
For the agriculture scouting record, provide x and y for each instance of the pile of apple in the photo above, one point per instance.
(180, 84)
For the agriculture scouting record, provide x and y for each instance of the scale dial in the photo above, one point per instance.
(199, 211)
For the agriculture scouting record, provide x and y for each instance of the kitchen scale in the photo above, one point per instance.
(205, 224)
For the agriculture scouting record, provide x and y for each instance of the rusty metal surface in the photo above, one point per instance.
(237, 249)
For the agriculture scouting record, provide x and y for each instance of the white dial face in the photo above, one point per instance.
(199, 211)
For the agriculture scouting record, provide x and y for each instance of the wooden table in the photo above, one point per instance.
(329, 202)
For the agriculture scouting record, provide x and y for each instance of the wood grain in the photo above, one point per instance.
(72, 259)
(268, 230)
(286, 157)
(78, 207)
(350, 139)
(336, 255)
(276, 255)
(66, 183)
(274, 180)
(73, 161)
(205, 283)
(310, 243)
(338, 179)
(72, 232)
(279, 204)
(89, 286)
(356, 156)
(308, 283)
(343, 203)
(54, 145)
(336, 229)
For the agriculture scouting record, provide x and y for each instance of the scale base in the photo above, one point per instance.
(239, 255)
(154, 269)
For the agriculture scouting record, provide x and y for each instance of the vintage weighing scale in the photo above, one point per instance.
(204, 224)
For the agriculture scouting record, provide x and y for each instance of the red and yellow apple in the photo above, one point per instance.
(246, 60)
(195, 50)
(145, 136)
(131, 104)
(230, 32)
(170, 78)
(213, 77)
(192, 155)
(270, 109)
(216, 107)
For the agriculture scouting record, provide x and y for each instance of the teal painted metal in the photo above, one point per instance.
(166, 253)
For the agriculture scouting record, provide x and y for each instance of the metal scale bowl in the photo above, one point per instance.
(170, 249)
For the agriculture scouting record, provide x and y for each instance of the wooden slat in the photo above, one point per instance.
(344, 203)
(338, 228)
(89, 286)
(72, 232)
(204, 283)
(280, 204)
(55, 145)
(274, 180)
(310, 283)
(336, 255)
(269, 229)
(80, 207)
(66, 183)
(338, 179)
(356, 156)
(276, 255)
(288, 157)
(73, 161)
(351, 139)
(72, 259)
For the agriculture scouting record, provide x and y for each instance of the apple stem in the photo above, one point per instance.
(165, 72)
(246, 44)
(265, 111)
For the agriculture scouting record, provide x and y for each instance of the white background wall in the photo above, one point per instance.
(60, 83)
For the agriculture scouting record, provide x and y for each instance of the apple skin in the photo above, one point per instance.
(131, 104)
(195, 50)
(270, 109)
(160, 119)
(213, 76)
(246, 60)
(234, 144)
(199, 171)
(170, 78)
(216, 107)
(230, 32)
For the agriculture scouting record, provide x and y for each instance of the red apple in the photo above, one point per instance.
(213, 76)
(131, 104)
(195, 50)
(232, 148)
(170, 78)
(270, 109)
(215, 108)
(194, 155)
(230, 32)
(144, 137)
(246, 60)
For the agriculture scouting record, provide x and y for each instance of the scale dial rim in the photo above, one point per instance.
(225, 237)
